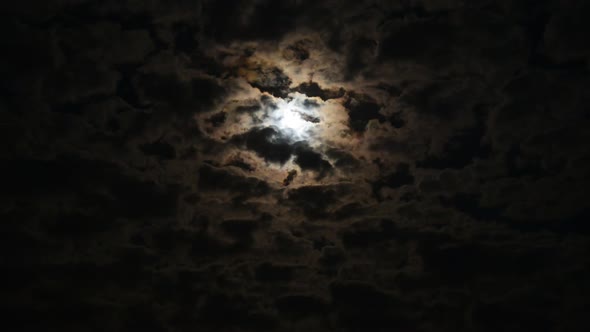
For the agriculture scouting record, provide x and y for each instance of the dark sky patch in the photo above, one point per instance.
(273, 272)
(76, 224)
(415, 40)
(185, 38)
(217, 305)
(301, 305)
(99, 183)
(454, 263)
(159, 149)
(562, 38)
(361, 304)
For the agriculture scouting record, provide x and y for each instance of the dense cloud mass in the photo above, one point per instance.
(261, 165)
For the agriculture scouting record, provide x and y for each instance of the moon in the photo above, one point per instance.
(294, 119)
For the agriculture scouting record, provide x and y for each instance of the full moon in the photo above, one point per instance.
(294, 119)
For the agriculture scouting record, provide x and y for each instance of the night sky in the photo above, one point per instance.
(267, 165)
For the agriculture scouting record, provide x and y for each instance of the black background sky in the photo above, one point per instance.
(147, 185)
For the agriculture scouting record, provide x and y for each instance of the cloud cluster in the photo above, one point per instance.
(258, 165)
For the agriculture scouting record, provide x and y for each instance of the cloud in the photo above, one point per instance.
(248, 20)
(295, 165)
(373, 307)
(361, 109)
(271, 80)
(177, 95)
(269, 143)
(212, 179)
(308, 159)
(313, 89)
(301, 305)
(315, 201)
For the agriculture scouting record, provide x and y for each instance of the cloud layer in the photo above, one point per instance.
(328, 165)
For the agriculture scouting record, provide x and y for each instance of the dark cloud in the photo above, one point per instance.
(272, 145)
(397, 120)
(248, 109)
(159, 149)
(272, 80)
(249, 20)
(459, 151)
(269, 143)
(301, 305)
(314, 200)
(459, 263)
(212, 178)
(332, 256)
(185, 38)
(217, 119)
(361, 109)
(239, 163)
(310, 103)
(297, 51)
(95, 182)
(308, 159)
(271, 272)
(367, 233)
(342, 158)
(178, 95)
(362, 305)
(313, 89)
(290, 177)
(362, 50)
(417, 40)
(241, 230)
(562, 37)
(470, 205)
(401, 177)
(218, 305)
